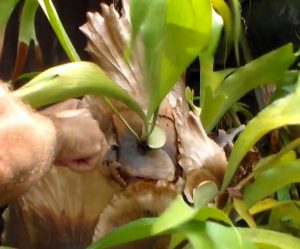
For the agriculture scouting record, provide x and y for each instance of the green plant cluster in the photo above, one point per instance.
(174, 33)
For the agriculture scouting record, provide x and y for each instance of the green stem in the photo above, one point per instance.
(108, 102)
(58, 28)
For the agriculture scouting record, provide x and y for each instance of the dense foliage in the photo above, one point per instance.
(258, 205)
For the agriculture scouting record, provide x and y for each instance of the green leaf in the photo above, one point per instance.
(224, 11)
(172, 31)
(285, 218)
(176, 239)
(170, 218)
(26, 35)
(236, 9)
(132, 231)
(212, 213)
(270, 239)
(58, 28)
(157, 138)
(6, 7)
(196, 234)
(241, 207)
(282, 112)
(207, 76)
(265, 69)
(27, 27)
(213, 235)
(204, 193)
(73, 80)
(189, 95)
(263, 205)
(271, 180)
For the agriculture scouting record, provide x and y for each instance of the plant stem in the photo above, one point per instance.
(108, 102)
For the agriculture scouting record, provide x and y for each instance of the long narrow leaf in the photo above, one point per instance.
(27, 28)
(266, 69)
(132, 231)
(6, 7)
(272, 180)
(26, 35)
(55, 22)
(282, 112)
(170, 219)
(236, 9)
(73, 80)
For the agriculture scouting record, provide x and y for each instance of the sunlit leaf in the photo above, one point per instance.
(281, 112)
(208, 78)
(224, 11)
(263, 205)
(172, 31)
(132, 231)
(58, 28)
(73, 80)
(6, 7)
(270, 239)
(267, 68)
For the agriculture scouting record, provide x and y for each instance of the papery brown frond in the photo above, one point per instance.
(150, 164)
(108, 37)
(140, 200)
(199, 156)
(61, 211)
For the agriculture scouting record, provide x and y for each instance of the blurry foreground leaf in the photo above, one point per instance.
(266, 239)
(210, 235)
(171, 218)
(132, 231)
